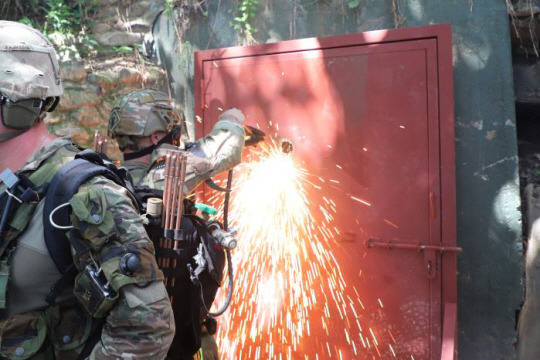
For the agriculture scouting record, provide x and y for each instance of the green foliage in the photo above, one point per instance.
(246, 14)
(27, 21)
(59, 16)
(353, 4)
(169, 6)
(65, 22)
(123, 50)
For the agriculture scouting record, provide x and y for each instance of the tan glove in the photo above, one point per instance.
(234, 115)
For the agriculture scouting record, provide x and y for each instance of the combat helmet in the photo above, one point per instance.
(142, 112)
(30, 82)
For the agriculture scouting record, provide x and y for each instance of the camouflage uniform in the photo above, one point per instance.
(141, 113)
(210, 155)
(218, 151)
(139, 325)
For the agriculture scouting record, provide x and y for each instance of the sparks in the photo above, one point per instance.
(286, 275)
(360, 200)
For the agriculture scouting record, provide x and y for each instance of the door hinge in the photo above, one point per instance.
(430, 251)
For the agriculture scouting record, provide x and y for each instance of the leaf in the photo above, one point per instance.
(353, 4)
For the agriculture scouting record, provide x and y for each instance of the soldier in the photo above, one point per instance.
(117, 312)
(146, 123)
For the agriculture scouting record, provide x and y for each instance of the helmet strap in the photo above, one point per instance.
(147, 150)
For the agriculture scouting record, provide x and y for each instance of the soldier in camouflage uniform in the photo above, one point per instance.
(140, 124)
(138, 322)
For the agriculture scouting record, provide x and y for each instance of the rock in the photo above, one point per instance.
(138, 27)
(109, 10)
(128, 89)
(101, 28)
(118, 38)
(130, 76)
(81, 137)
(76, 97)
(107, 79)
(105, 108)
(108, 2)
(73, 71)
(52, 119)
(155, 78)
(139, 8)
(112, 98)
(156, 7)
(77, 134)
(89, 117)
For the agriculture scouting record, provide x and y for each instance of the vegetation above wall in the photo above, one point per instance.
(101, 47)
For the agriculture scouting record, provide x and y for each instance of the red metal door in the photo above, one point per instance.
(370, 117)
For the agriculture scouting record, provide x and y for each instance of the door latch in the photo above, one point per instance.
(430, 251)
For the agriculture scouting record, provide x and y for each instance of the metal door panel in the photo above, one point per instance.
(364, 116)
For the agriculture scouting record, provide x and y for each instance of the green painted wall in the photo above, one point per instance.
(489, 221)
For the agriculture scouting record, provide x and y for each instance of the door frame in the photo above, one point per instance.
(442, 34)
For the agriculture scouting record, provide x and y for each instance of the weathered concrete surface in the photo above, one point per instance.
(490, 281)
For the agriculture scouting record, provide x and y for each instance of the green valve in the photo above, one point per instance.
(206, 208)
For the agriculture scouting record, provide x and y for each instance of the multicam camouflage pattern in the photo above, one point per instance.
(64, 151)
(143, 112)
(212, 154)
(197, 169)
(29, 64)
(104, 213)
(140, 325)
(137, 170)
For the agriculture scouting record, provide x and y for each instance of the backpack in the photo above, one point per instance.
(192, 292)
(194, 287)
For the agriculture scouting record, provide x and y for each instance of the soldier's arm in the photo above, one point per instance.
(140, 324)
(218, 151)
(138, 327)
(224, 144)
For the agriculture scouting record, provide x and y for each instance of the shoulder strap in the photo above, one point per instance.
(63, 186)
(18, 215)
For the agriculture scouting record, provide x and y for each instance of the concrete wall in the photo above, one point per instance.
(489, 222)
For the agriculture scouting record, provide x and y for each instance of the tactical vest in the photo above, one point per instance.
(59, 180)
(47, 182)
(30, 334)
(39, 173)
(137, 170)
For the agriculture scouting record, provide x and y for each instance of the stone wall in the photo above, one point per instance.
(116, 64)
